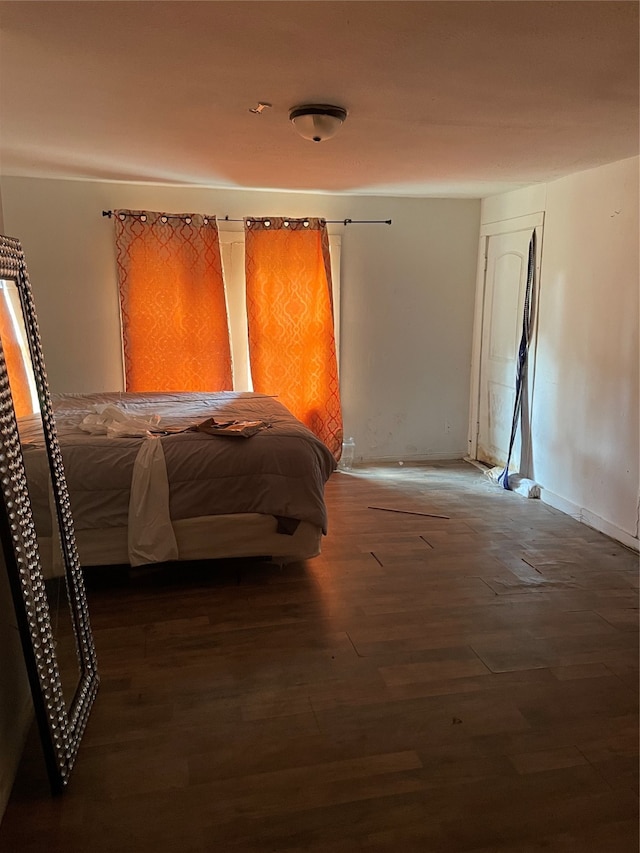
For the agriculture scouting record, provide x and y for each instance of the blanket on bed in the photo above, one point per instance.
(280, 471)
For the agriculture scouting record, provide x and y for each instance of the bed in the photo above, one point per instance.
(185, 495)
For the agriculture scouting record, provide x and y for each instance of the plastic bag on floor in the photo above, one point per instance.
(522, 485)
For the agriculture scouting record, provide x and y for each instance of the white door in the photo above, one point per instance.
(504, 291)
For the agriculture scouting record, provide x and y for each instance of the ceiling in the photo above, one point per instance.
(444, 98)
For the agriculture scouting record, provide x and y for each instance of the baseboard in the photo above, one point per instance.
(589, 518)
(438, 456)
(610, 529)
(565, 506)
(476, 464)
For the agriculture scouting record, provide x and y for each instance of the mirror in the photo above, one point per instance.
(37, 534)
(24, 393)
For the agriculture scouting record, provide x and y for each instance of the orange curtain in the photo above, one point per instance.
(14, 359)
(175, 331)
(290, 315)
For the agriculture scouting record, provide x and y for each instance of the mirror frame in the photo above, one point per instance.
(61, 720)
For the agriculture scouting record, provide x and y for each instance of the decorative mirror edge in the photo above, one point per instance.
(61, 731)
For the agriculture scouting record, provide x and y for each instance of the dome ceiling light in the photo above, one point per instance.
(317, 122)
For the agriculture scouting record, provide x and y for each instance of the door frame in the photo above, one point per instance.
(487, 230)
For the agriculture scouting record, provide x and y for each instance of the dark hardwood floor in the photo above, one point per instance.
(427, 684)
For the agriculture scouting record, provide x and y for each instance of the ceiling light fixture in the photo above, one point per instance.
(317, 122)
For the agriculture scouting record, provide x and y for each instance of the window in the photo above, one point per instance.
(233, 261)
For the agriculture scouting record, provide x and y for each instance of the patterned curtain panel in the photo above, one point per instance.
(290, 315)
(174, 315)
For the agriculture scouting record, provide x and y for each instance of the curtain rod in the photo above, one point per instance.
(109, 213)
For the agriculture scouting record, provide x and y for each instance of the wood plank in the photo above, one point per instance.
(467, 685)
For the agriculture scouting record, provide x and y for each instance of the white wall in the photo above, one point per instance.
(585, 415)
(407, 298)
(16, 710)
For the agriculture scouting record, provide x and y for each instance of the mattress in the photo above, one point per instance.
(280, 472)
